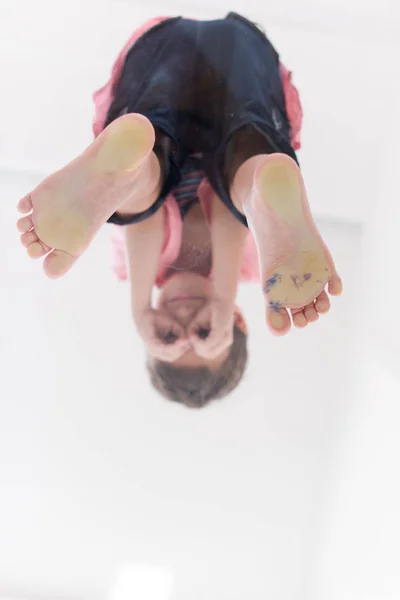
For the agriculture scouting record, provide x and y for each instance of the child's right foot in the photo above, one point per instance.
(68, 208)
(295, 263)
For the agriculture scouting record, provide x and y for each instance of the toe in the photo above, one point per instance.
(322, 303)
(335, 285)
(57, 263)
(24, 224)
(37, 250)
(311, 313)
(299, 319)
(278, 321)
(25, 205)
(28, 238)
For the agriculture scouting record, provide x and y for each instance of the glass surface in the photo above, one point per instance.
(181, 414)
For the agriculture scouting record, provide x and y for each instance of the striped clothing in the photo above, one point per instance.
(186, 192)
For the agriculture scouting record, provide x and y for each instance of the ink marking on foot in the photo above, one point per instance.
(295, 279)
(275, 306)
(300, 282)
(276, 277)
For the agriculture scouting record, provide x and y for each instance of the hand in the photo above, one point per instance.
(164, 338)
(211, 330)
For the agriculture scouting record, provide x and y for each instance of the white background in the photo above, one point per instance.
(288, 489)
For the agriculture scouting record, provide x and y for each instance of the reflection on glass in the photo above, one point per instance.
(194, 162)
(194, 165)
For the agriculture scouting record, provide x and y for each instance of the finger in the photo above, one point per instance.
(212, 347)
(165, 323)
(201, 320)
(179, 349)
(168, 352)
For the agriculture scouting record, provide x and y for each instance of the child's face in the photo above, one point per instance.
(185, 286)
(182, 297)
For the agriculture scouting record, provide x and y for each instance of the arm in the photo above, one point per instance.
(144, 244)
(164, 338)
(228, 238)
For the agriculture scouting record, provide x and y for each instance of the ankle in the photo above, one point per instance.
(242, 186)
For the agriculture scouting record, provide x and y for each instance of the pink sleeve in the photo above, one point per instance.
(293, 107)
(104, 96)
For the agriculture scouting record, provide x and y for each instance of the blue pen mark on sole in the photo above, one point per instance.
(276, 278)
(299, 282)
(295, 279)
(275, 306)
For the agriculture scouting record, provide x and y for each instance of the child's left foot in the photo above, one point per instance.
(69, 207)
(296, 265)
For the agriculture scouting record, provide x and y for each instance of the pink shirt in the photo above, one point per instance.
(173, 222)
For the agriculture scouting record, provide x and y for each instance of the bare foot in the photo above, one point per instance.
(67, 209)
(295, 264)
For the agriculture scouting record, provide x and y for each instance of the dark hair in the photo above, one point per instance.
(197, 386)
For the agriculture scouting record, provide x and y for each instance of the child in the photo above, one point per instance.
(196, 135)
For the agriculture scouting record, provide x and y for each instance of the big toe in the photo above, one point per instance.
(278, 321)
(57, 263)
